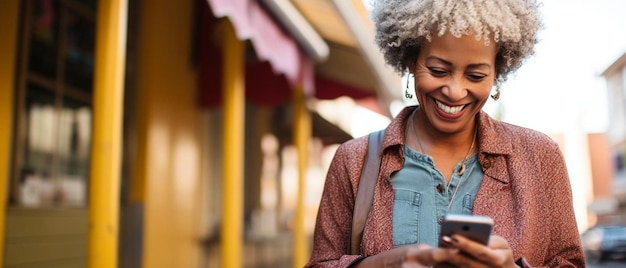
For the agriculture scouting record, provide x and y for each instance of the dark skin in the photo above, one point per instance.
(463, 253)
(453, 78)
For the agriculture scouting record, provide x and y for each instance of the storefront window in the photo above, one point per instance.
(54, 129)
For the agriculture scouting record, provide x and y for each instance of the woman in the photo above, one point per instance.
(448, 156)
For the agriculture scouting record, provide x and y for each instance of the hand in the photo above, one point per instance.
(410, 256)
(426, 256)
(497, 254)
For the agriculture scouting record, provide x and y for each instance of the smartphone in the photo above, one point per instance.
(476, 228)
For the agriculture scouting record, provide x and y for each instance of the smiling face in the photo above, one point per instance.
(453, 79)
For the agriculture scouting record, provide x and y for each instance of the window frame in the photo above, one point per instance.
(55, 84)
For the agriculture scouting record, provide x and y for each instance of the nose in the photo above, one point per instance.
(455, 89)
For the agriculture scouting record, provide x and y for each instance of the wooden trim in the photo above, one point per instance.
(60, 242)
(68, 91)
(9, 17)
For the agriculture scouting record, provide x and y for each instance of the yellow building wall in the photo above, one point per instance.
(9, 10)
(169, 150)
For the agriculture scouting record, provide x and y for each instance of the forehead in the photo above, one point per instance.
(465, 49)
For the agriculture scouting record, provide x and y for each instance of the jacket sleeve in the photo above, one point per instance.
(334, 217)
(565, 248)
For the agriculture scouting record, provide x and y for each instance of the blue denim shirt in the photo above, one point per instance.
(422, 197)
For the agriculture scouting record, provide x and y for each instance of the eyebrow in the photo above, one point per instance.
(473, 65)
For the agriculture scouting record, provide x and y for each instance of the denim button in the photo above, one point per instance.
(487, 163)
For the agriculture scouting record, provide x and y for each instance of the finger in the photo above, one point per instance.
(472, 248)
(503, 252)
(463, 243)
(464, 260)
(498, 242)
(497, 253)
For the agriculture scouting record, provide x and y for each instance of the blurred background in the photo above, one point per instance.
(197, 133)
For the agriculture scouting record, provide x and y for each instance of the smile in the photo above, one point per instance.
(449, 109)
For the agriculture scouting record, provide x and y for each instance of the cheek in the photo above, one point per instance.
(482, 91)
(425, 84)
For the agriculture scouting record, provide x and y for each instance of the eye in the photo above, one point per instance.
(437, 72)
(476, 77)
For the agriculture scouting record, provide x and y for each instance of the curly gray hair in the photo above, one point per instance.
(403, 25)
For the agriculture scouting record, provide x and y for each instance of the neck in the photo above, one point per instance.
(460, 143)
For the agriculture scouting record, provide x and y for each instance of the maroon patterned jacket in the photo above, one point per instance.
(525, 189)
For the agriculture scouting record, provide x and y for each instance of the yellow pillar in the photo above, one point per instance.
(234, 117)
(9, 11)
(104, 184)
(302, 137)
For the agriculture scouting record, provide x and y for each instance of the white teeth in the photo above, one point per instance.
(448, 109)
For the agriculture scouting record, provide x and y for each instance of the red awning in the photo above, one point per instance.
(270, 43)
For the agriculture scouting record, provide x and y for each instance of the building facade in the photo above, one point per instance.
(615, 76)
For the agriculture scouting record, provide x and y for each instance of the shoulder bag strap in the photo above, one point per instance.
(365, 193)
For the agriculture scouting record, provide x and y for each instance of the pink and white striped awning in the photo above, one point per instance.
(270, 43)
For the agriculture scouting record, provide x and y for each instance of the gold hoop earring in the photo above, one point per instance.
(406, 89)
(496, 96)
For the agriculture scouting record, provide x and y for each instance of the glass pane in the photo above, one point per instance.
(74, 148)
(36, 183)
(42, 55)
(79, 54)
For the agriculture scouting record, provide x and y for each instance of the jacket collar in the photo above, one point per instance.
(495, 147)
(492, 136)
(395, 133)
(495, 143)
